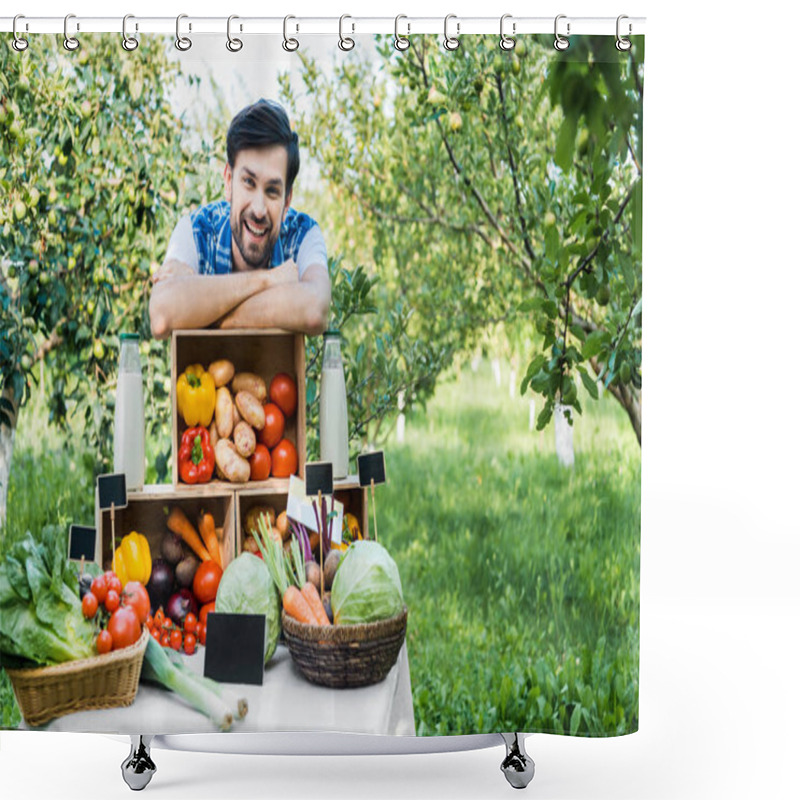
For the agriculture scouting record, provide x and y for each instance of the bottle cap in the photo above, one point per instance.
(332, 332)
(132, 337)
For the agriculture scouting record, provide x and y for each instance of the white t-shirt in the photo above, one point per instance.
(182, 247)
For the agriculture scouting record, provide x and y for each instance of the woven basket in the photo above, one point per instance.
(106, 681)
(345, 656)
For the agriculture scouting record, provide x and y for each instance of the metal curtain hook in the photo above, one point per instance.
(622, 42)
(401, 42)
(19, 43)
(451, 42)
(561, 43)
(290, 44)
(183, 43)
(70, 42)
(234, 45)
(128, 42)
(345, 42)
(507, 42)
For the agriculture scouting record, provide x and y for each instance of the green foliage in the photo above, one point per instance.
(487, 187)
(522, 581)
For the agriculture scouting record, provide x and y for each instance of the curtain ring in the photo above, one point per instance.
(128, 42)
(507, 42)
(401, 42)
(345, 42)
(183, 43)
(561, 43)
(70, 42)
(234, 45)
(19, 43)
(623, 44)
(451, 42)
(289, 44)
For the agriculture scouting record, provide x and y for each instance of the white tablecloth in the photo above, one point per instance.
(285, 702)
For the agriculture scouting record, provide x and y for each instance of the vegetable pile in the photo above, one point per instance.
(236, 424)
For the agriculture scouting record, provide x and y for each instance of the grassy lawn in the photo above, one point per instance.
(521, 577)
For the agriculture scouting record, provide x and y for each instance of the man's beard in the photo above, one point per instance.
(256, 256)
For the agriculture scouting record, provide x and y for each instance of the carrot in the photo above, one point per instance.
(309, 591)
(181, 527)
(209, 536)
(296, 605)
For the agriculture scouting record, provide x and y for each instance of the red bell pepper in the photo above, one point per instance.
(196, 456)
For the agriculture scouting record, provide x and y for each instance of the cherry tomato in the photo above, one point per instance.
(207, 609)
(112, 601)
(190, 623)
(89, 605)
(104, 642)
(176, 639)
(113, 582)
(135, 596)
(167, 624)
(206, 580)
(158, 617)
(150, 622)
(165, 639)
(124, 627)
(99, 588)
(201, 634)
(189, 644)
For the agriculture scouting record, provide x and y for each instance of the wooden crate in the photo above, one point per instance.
(346, 490)
(263, 352)
(145, 514)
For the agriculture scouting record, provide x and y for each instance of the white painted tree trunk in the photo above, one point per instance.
(512, 384)
(531, 414)
(563, 432)
(6, 450)
(498, 378)
(401, 418)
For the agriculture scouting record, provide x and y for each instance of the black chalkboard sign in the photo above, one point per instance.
(319, 478)
(371, 468)
(82, 541)
(112, 491)
(235, 648)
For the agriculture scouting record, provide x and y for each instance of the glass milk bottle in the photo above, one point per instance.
(333, 437)
(129, 414)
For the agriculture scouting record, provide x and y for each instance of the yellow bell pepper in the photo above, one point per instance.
(132, 560)
(197, 396)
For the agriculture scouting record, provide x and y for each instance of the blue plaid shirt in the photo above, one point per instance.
(211, 226)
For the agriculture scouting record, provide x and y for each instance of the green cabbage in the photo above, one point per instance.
(247, 588)
(367, 585)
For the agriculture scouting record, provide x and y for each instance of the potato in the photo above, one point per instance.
(331, 565)
(237, 417)
(221, 371)
(223, 413)
(251, 410)
(282, 524)
(244, 438)
(213, 435)
(235, 468)
(252, 517)
(249, 382)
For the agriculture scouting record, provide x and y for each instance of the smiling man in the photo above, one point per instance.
(250, 260)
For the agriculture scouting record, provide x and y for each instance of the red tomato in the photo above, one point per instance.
(89, 605)
(201, 635)
(124, 627)
(164, 639)
(274, 425)
(166, 624)
(113, 582)
(158, 618)
(207, 609)
(135, 596)
(190, 623)
(104, 642)
(189, 644)
(176, 639)
(112, 601)
(149, 622)
(284, 459)
(283, 392)
(260, 463)
(206, 581)
(99, 588)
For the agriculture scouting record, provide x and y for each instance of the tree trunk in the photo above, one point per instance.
(6, 450)
(630, 398)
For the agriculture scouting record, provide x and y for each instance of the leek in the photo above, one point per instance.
(225, 694)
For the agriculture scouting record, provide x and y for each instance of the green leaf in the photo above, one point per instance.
(575, 719)
(565, 144)
(590, 384)
(595, 342)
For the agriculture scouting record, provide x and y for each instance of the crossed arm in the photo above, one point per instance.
(274, 298)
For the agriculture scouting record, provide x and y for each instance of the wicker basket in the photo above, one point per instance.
(106, 681)
(345, 656)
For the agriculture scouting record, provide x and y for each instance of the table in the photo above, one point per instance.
(285, 702)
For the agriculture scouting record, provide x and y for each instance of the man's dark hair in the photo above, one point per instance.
(262, 124)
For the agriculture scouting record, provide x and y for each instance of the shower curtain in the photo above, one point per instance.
(469, 219)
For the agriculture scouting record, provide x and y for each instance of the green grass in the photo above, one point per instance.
(521, 577)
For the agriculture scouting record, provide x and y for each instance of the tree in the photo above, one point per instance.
(495, 187)
(91, 167)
